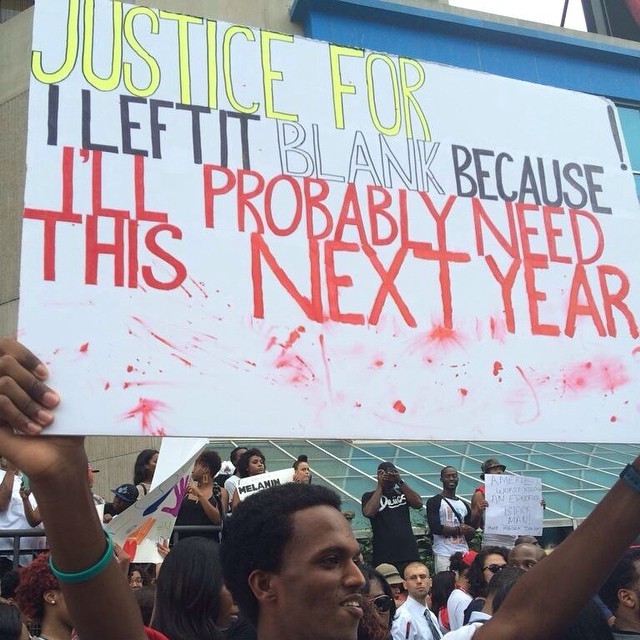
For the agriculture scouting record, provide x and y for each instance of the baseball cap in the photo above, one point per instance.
(491, 463)
(126, 492)
(390, 573)
(387, 466)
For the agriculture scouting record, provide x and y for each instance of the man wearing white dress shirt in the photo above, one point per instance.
(414, 620)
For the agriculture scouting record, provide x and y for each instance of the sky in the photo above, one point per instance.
(545, 11)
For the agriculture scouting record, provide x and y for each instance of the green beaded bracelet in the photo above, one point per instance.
(88, 573)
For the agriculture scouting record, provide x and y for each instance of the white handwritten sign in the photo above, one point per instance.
(514, 505)
(244, 233)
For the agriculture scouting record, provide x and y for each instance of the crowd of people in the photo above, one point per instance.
(289, 566)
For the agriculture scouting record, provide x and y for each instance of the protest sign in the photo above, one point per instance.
(253, 484)
(151, 519)
(232, 231)
(174, 452)
(514, 505)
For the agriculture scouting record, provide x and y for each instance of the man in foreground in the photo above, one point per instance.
(621, 593)
(290, 562)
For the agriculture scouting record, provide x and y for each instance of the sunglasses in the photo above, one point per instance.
(494, 568)
(381, 603)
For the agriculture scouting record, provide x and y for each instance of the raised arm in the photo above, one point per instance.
(57, 470)
(414, 500)
(6, 486)
(371, 505)
(550, 595)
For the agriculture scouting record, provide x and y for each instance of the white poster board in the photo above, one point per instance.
(230, 231)
(248, 486)
(514, 505)
(151, 519)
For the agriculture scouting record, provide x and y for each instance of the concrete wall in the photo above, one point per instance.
(113, 456)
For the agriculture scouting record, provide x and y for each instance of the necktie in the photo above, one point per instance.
(435, 632)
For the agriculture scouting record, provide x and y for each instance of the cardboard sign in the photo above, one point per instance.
(151, 519)
(514, 505)
(236, 232)
(254, 484)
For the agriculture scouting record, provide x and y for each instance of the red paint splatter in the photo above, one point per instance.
(253, 364)
(299, 369)
(533, 393)
(444, 335)
(84, 347)
(146, 410)
(498, 328)
(378, 363)
(270, 342)
(143, 383)
(186, 290)
(599, 374)
(398, 405)
(357, 404)
(200, 287)
(497, 367)
(463, 391)
(325, 363)
(183, 360)
(129, 368)
(635, 350)
(294, 336)
(107, 385)
(613, 419)
(154, 334)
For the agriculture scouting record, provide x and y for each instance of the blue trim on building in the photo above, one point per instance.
(593, 64)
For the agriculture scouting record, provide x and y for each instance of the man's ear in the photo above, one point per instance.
(627, 598)
(262, 585)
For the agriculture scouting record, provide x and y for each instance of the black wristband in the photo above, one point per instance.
(631, 477)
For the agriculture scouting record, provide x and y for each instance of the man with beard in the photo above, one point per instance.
(388, 509)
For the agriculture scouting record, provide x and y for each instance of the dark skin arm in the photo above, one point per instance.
(57, 470)
(387, 480)
(550, 595)
(31, 513)
(6, 486)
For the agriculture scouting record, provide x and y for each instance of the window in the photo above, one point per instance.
(630, 121)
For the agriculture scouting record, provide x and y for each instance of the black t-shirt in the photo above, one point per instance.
(393, 539)
(191, 513)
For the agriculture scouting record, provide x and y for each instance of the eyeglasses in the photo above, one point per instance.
(494, 568)
(381, 603)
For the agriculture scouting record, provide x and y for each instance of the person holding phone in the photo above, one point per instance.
(388, 510)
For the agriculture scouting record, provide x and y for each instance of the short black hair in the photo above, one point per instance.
(501, 583)
(449, 466)
(258, 533)
(624, 574)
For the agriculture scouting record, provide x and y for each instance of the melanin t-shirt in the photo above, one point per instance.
(393, 539)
